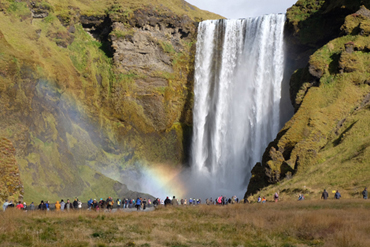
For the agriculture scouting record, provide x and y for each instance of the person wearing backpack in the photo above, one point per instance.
(109, 203)
(138, 204)
(118, 202)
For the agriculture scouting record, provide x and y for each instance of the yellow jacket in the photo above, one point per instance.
(57, 206)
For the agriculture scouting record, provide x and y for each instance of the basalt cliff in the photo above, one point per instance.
(326, 143)
(92, 90)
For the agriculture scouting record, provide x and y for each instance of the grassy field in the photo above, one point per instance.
(306, 223)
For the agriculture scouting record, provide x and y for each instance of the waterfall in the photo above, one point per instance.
(239, 69)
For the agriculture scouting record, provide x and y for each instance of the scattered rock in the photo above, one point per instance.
(350, 47)
(72, 29)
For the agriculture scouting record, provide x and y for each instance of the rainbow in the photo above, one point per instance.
(163, 180)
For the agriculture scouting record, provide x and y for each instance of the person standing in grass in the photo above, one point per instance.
(19, 205)
(89, 203)
(263, 200)
(95, 205)
(42, 206)
(174, 201)
(118, 203)
(276, 197)
(75, 203)
(32, 206)
(62, 205)
(109, 203)
(144, 204)
(57, 206)
(138, 204)
(167, 202)
(324, 195)
(259, 199)
(68, 205)
(364, 193)
(337, 195)
(5, 205)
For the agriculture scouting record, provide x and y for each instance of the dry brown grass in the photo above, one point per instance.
(310, 223)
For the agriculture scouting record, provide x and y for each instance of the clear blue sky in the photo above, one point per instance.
(234, 9)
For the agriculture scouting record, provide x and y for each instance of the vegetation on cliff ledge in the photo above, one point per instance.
(326, 144)
(80, 108)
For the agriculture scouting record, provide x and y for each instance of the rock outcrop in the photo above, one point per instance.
(329, 94)
(94, 92)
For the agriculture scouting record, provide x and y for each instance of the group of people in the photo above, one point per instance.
(142, 203)
(263, 199)
(221, 200)
(109, 204)
(337, 195)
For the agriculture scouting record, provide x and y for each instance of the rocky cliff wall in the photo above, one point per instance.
(93, 91)
(325, 144)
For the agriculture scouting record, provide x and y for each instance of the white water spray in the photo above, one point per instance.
(239, 71)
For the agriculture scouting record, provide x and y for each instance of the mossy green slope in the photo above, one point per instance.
(73, 114)
(10, 184)
(326, 143)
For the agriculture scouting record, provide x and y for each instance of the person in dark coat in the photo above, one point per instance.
(167, 201)
(144, 203)
(324, 195)
(337, 195)
(364, 193)
(75, 203)
(42, 206)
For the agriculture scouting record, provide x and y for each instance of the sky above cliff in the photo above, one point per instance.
(235, 9)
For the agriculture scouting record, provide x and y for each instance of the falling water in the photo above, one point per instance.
(238, 77)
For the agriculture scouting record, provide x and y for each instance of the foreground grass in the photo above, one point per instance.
(309, 223)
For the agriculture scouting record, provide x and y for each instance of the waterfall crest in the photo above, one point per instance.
(239, 70)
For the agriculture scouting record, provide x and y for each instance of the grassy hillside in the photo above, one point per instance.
(326, 144)
(75, 113)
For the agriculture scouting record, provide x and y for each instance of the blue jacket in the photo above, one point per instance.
(138, 201)
(337, 195)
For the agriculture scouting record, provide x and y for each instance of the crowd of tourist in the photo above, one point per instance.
(142, 203)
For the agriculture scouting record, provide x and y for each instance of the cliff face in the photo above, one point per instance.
(325, 144)
(10, 182)
(91, 91)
